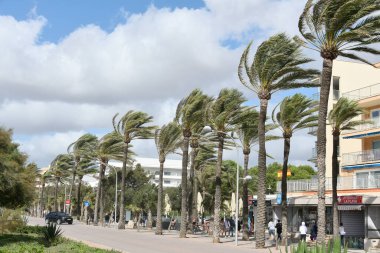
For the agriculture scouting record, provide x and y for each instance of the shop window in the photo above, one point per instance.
(166, 181)
(167, 173)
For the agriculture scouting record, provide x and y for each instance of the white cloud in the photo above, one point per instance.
(53, 91)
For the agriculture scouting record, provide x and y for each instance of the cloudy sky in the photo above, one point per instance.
(68, 67)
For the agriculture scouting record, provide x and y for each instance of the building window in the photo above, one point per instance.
(368, 179)
(336, 94)
(166, 181)
(167, 173)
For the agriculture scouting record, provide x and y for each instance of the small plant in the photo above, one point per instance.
(52, 233)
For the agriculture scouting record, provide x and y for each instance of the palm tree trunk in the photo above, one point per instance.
(121, 224)
(195, 193)
(218, 190)
(97, 199)
(321, 148)
(284, 192)
(72, 185)
(42, 202)
(191, 189)
(78, 198)
(245, 198)
(159, 199)
(150, 218)
(185, 160)
(101, 205)
(335, 168)
(56, 194)
(261, 189)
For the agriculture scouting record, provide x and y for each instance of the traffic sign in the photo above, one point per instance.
(68, 202)
(86, 203)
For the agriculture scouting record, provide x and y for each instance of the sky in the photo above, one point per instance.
(68, 67)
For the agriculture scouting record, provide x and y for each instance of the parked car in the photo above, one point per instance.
(58, 217)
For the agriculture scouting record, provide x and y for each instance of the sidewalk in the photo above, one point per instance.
(145, 241)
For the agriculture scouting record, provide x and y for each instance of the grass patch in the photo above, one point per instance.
(35, 243)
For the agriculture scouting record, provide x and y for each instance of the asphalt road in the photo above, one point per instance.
(132, 241)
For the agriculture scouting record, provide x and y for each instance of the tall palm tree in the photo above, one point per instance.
(221, 114)
(336, 28)
(341, 118)
(78, 149)
(110, 146)
(44, 177)
(248, 136)
(167, 140)
(60, 168)
(190, 111)
(130, 127)
(87, 166)
(276, 66)
(295, 113)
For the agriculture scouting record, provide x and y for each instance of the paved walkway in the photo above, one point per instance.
(145, 241)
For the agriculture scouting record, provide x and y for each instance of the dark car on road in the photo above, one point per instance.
(58, 217)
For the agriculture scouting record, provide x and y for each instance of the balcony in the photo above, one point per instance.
(364, 157)
(369, 181)
(364, 130)
(362, 93)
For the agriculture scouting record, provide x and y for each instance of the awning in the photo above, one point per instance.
(350, 207)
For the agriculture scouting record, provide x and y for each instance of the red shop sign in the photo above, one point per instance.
(353, 200)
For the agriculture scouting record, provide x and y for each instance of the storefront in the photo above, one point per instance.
(360, 216)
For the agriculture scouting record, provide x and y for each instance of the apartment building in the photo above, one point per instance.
(359, 162)
(172, 170)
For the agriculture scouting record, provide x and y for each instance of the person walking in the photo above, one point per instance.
(303, 231)
(271, 229)
(226, 227)
(314, 232)
(342, 233)
(232, 226)
(279, 230)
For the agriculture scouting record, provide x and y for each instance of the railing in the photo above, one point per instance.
(313, 130)
(375, 124)
(360, 157)
(343, 183)
(314, 153)
(362, 93)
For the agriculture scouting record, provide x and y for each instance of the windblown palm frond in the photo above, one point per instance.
(341, 28)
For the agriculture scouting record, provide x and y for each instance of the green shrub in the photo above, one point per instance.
(23, 247)
(10, 220)
(52, 233)
(31, 230)
(333, 246)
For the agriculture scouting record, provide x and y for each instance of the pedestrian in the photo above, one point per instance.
(314, 232)
(232, 226)
(342, 233)
(226, 227)
(107, 219)
(303, 231)
(279, 230)
(271, 229)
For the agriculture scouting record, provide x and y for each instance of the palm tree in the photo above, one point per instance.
(60, 168)
(248, 135)
(341, 118)
(336, 28)
(130, 127)
(295, 113)
(167, 140)
(108, 147)
(190, 111)
(79, 148)
(221, 114)
(44, 176)
(276, 66)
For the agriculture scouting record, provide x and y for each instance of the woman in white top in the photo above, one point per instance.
(303, 231)
(342, 233)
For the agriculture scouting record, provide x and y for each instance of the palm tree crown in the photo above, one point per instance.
(276, 66)
(295, 113)
(340, 27)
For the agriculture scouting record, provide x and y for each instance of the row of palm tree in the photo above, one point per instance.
(331, 27)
